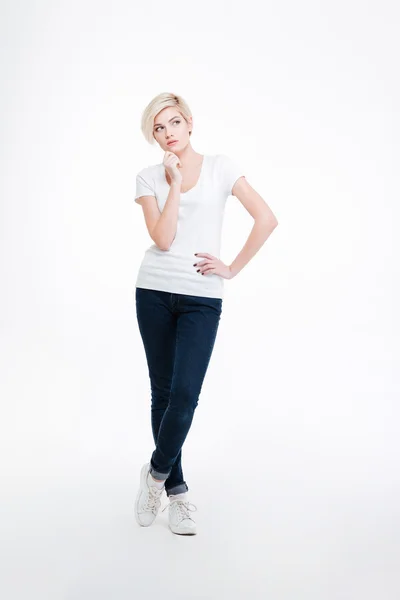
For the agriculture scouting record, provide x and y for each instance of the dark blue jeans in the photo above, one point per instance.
(178, 333)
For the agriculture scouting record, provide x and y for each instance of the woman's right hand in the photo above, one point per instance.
(171, 163)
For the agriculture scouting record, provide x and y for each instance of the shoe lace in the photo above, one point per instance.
(153, 499)
(183, 507)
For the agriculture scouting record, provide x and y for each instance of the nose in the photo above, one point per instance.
(168, 134)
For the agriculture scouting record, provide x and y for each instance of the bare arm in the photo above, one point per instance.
(260, 232)
(264, 223)
(161, 226)
(165, 229)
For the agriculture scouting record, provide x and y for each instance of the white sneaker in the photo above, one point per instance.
(148, 499)
(179, 518)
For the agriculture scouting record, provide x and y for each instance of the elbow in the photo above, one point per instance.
(167, 246)
(163, 245)
(162, 240)
(269, 222)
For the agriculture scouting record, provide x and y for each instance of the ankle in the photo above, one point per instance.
(157, 480)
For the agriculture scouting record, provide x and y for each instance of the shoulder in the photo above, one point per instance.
(148, 171)
(220, 158)
(218, 161)
(150, 176)
(229, 171)
(223, 161)
(146, 182)
(226, 164)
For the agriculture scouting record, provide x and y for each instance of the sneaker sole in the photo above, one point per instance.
(182, 532)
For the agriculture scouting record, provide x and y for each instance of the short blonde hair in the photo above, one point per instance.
(155, 106)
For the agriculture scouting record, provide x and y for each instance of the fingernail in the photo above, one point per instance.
(198, 270)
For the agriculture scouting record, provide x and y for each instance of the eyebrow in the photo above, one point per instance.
(172, 118)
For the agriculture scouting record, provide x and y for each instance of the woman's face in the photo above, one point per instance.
(169, 125)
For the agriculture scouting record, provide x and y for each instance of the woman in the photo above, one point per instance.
(180, 289)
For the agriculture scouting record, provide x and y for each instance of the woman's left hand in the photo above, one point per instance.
(212, 265)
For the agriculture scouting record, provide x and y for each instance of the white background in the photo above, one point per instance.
(293, 456)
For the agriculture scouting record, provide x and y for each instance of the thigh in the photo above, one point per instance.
(158, 328)
(197, 328)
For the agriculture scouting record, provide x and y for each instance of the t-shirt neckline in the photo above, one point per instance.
(197, 182)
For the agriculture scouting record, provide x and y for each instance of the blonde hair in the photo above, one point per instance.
(155, 106)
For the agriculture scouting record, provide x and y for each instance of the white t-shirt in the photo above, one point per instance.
(199, 225)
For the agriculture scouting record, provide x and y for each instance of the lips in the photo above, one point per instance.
(171, 143)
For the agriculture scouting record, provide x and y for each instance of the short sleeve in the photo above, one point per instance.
(230, 172)
(144, 185)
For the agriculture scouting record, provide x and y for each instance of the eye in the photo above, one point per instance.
(157, 128)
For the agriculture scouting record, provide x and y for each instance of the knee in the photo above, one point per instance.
(183, 399)
(160, 400)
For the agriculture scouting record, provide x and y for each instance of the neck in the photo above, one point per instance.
(188, 156)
